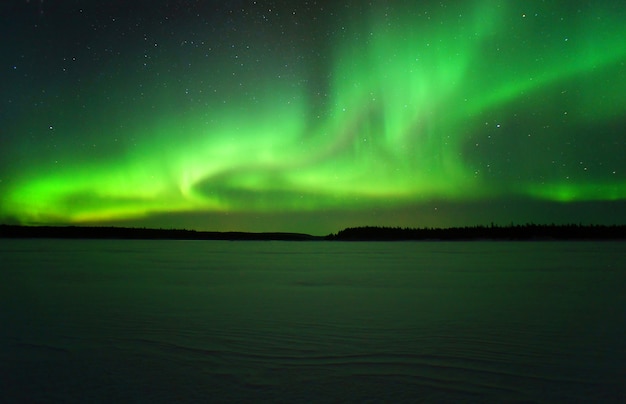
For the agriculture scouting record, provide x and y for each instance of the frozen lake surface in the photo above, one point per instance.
(219, 321)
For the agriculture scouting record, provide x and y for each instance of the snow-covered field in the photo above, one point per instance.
(210, 321)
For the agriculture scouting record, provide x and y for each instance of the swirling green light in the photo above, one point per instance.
(408, 91)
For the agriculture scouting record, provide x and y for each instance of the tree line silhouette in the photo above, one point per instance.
(97, 232)
(529, 231)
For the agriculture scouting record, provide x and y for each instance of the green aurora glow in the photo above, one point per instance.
(476, 101)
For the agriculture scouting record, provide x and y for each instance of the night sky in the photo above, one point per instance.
(312, 116)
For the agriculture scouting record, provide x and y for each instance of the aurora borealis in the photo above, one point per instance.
(312, 116)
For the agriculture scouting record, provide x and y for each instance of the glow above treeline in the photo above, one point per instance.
(466, 102)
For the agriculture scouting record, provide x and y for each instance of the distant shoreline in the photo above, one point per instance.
(134, 233)
(531, 232)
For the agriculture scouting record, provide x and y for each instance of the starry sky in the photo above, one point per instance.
(312, 116)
